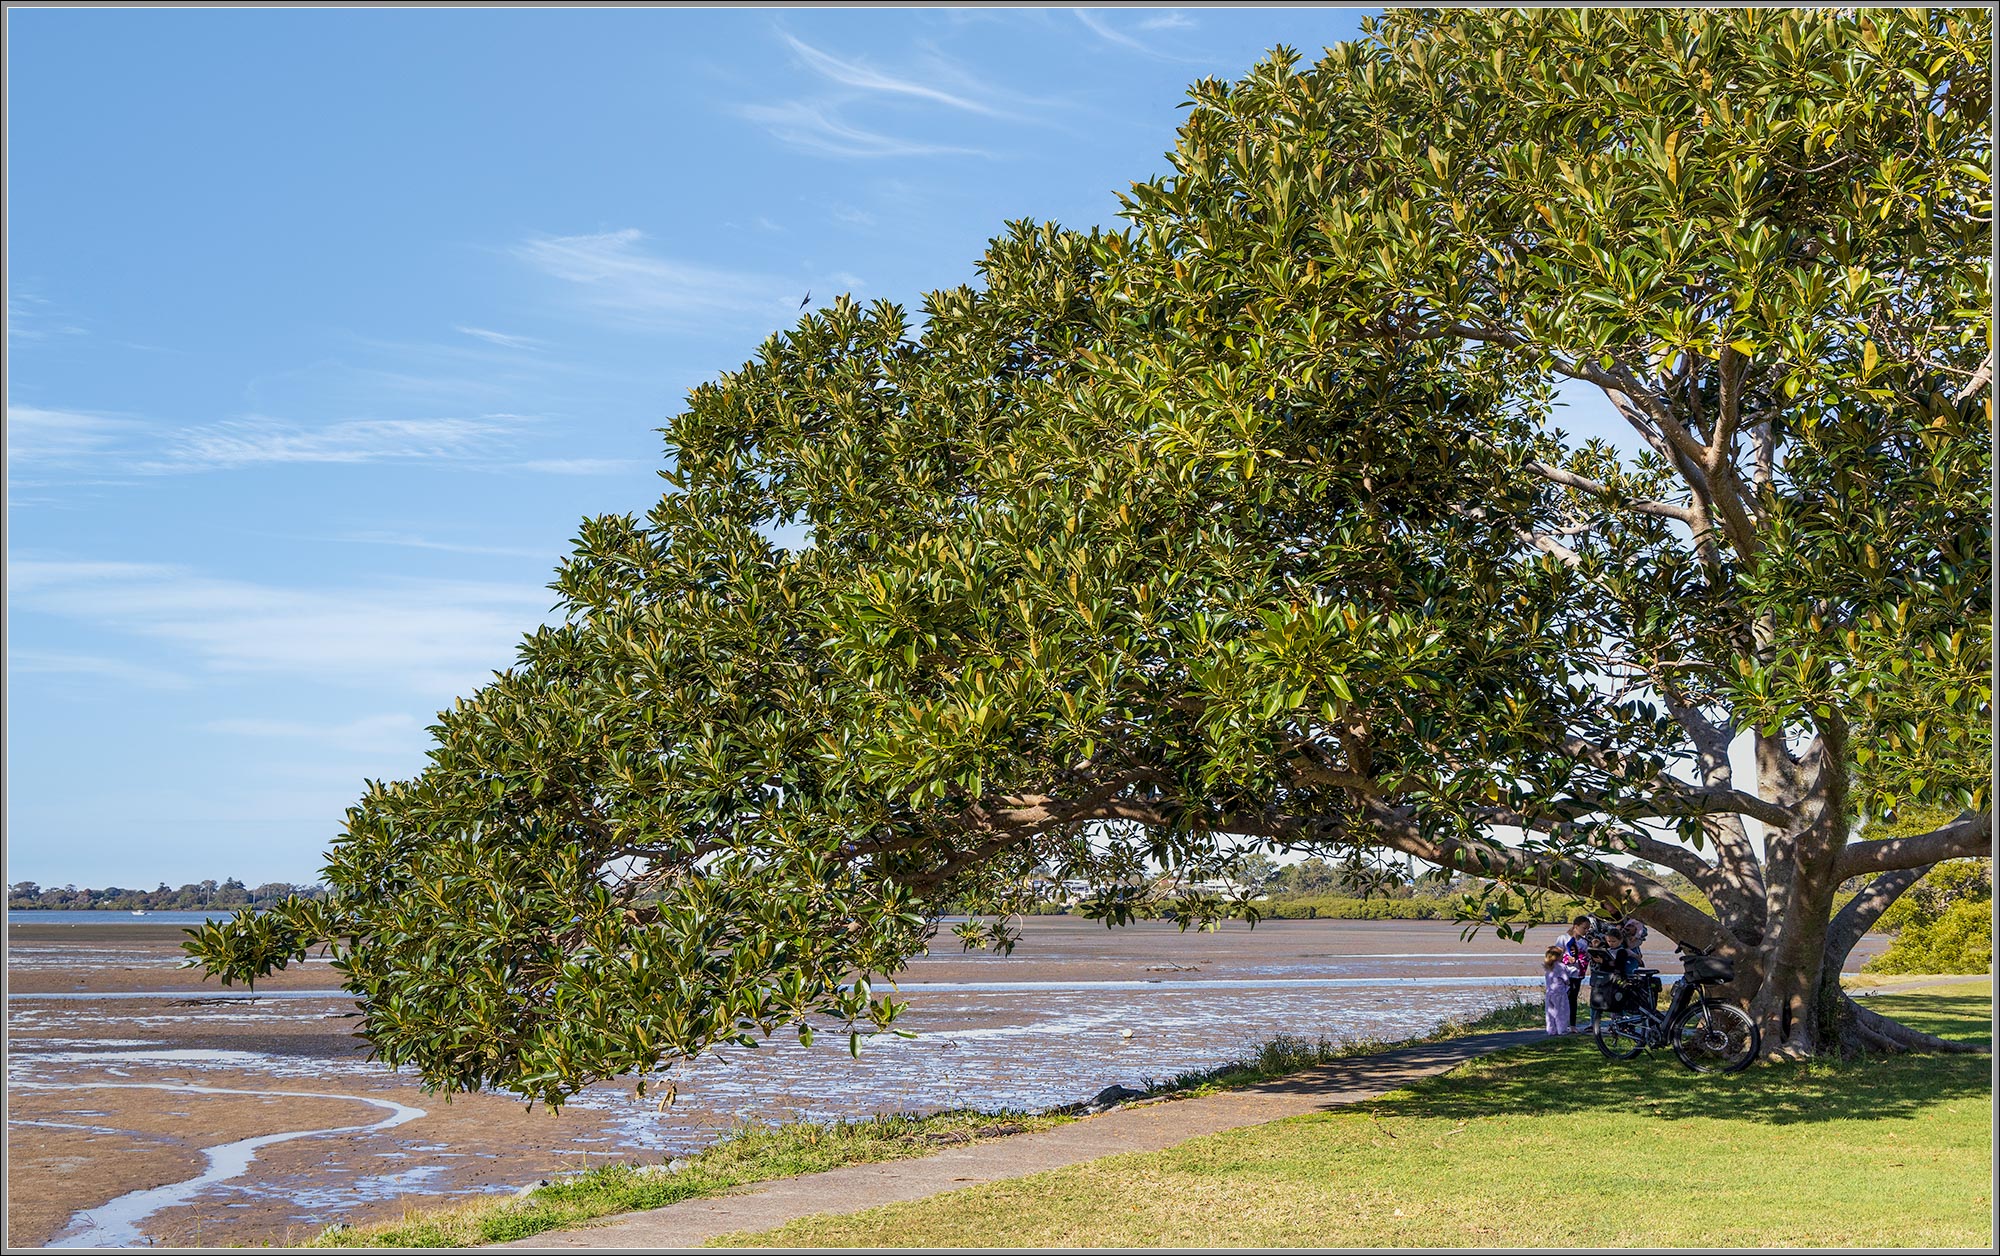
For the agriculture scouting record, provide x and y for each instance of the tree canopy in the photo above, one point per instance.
(1249, 526)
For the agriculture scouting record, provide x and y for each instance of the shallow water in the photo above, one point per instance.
(48, 916)
(116, 1224)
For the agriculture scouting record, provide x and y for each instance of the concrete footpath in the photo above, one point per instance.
(1151, 1125)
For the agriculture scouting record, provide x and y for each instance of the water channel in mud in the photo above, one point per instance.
(144, 1108)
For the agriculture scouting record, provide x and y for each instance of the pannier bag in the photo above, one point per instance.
(1710, 970)
(1618, 995)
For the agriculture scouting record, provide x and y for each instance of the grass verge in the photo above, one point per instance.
(762, 1153)
(1556, 1147)
(750, 1154)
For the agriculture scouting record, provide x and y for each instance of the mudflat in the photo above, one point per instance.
(53, 957)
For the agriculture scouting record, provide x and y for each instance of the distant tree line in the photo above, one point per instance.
(197, 896)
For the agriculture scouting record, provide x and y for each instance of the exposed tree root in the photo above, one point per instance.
(1878, 1033)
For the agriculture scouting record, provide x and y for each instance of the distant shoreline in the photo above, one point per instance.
(86, 917)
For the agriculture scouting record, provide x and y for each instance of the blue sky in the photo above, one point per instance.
(325, 328)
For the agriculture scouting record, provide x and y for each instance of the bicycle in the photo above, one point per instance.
(1706, 1036)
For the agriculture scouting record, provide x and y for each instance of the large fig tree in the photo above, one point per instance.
(1249, 526)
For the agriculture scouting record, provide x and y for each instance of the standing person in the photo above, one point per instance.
(1558, 994)
(1575, 948)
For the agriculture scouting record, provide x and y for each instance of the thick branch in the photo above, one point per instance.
(1549, 545)
(1584, 484)
(1640, 895)
(1711, 740)
(1968, 837)
(1682, 860)
(1980, 378)
(1710, 802)
(1686, 799)
(1863, 910)
(1729, 412)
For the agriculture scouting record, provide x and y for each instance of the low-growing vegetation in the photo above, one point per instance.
(1943, 923)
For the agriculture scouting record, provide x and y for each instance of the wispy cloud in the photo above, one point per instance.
(501, 338)
(1111, 34)
(582, 466)
(821, 124)
(812, 125)
(865, 78)
(374, 734)
(1173, 21)
(35, 435)
(613, 274)
(407, 540)
(425, 640)
(39, 438)
(238, 443)
(122, 672)
(31, 318)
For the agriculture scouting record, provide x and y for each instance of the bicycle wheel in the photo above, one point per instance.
(1622, 1037)
(1715, 1038)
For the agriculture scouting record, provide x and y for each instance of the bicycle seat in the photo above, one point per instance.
(1645, 972)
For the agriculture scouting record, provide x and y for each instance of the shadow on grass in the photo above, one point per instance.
(1958, 1013)
(1656, 1087)
(1341, 1080)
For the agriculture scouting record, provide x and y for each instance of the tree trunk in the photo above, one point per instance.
(1801, 875)
(1787, 943)
(1787, 1003)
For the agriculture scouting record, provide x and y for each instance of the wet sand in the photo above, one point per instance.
(109, 1095)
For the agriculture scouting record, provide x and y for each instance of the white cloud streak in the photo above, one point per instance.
(410, 541)
(1111, 34)
(424, 640)
(500, 338)
(612, 274)
(865, 78)
(370, 734)
(122, 672)
(582, 466)
(238, 443)
(31, 318)
(35, 435)
(812, 126)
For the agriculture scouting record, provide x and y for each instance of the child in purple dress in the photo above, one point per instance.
(1555, 992)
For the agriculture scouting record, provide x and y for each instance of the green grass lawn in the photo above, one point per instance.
(1548, 1146)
